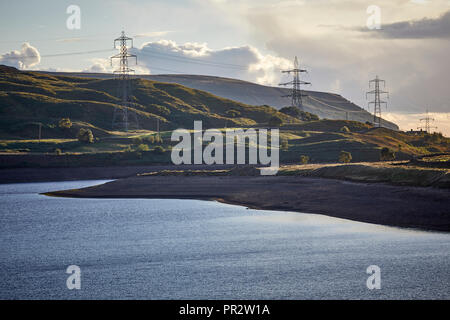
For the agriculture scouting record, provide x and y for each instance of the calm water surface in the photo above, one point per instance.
(188, 249)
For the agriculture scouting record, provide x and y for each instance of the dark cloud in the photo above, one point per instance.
(419, 29)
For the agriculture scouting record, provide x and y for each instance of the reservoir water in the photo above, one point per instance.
(189, 249)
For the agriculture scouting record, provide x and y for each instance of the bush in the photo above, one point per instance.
(232, 113)
(307, 116)
(291, 111)
(142, 148)
(159, 150)
(137, 140)
(65, 123)
(158, 139)
(150, 139)
(387, 154)
(345, 157)
(304, 159)
(345, 129)
(297, 113)
(284, 145)
(85, 136)
(275, 121)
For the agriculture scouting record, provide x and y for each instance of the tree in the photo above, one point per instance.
(142, 148)
(159, 150)
(85, 136)
(345, 157)
(298, 114)
(65, 123)
(275, 121)
(150, 139)
(291, 111)
(304, 159)
(307, 116)
(387, 154)
(232, 113)
(284, 144)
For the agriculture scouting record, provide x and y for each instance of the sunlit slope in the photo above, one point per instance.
(324, 104)
(27, 98)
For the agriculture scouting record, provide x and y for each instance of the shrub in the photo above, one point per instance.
(85, 136)
(275, 121)
(284, 145)
(127, 149)
(150, 139)
(387, 154)
(159, 150)
(158, 139)
(233, 113)
(345, 157)
(137, 140)
(297, 113)
(304, 159)
(291, 111)
(65, 123)
(345, 129)
(142, 148)
(307, 116)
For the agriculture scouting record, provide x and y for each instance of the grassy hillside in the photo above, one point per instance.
(27, 98)
(324, 104)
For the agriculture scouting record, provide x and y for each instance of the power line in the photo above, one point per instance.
(296, 94)
(181, 59)
(60, 54)
(427, 127)
(122, 74)
(377, 102)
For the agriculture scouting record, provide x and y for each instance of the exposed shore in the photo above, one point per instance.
(401, 206)
(25, 175)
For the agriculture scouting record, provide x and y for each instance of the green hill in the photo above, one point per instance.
(326, 105)
(27, 98)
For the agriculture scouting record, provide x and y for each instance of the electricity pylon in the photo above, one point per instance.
(427, 127)
(296, 94)
(121, 118)
(377, 102)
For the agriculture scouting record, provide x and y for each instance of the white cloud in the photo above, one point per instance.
(100, 65)
(28, 56)
(244, 62)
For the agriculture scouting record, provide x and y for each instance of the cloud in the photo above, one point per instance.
(97, 67)
(27, 57)
(100, 65)
(438, 28)
(244, 62)
(342, 61)
(152, 34)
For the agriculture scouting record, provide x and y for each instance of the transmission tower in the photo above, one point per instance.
(377, 102)
(427, 127)
(121, 117)
(296, 94)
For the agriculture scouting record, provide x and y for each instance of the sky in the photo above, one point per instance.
(343, 44)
